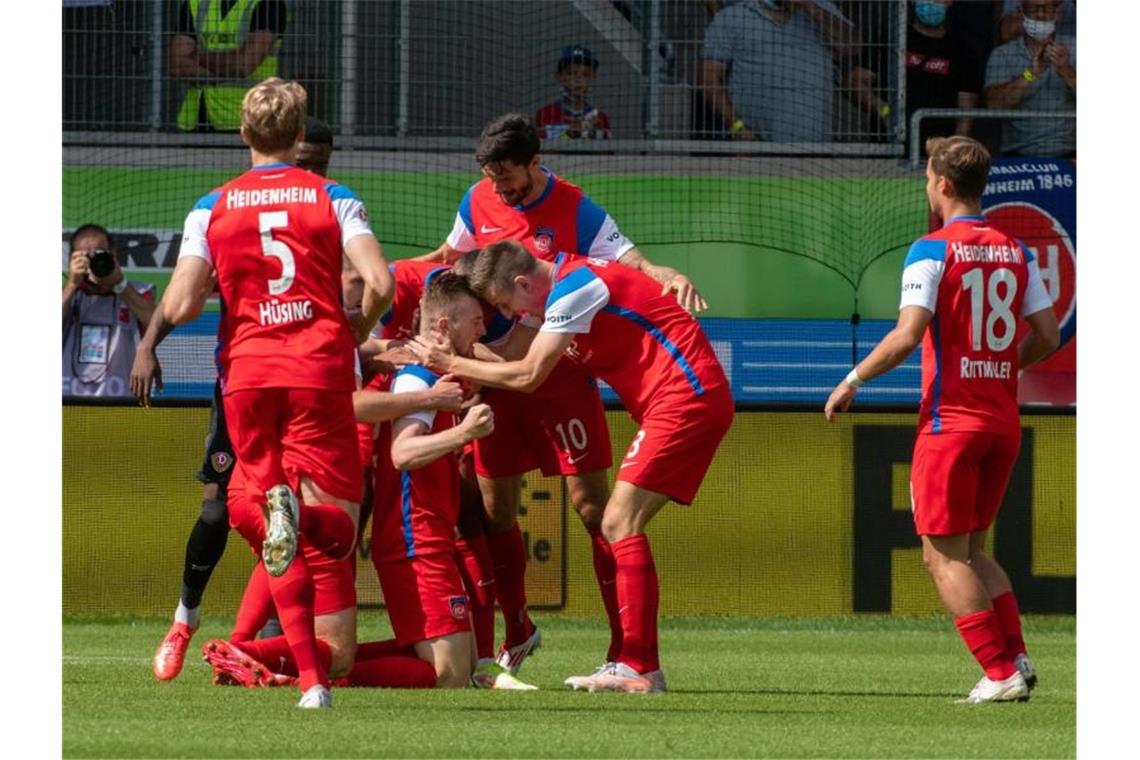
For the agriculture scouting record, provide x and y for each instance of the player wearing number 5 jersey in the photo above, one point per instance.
(964, 289)
(275, 237)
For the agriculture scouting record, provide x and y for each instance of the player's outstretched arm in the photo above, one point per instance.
(891, 351)
(1043, 338)
(379, 286)
(381, 406)
(413, 447)
(670, 279)
(445, 254)
(523, 375)
(186, 294)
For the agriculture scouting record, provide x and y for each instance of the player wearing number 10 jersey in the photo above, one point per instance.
(964, 289)
(275, 236)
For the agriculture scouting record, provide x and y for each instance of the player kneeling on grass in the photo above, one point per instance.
(414, 542)
(618, 325)
(964, 288)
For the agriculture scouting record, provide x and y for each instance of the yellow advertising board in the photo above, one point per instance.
(795, 517)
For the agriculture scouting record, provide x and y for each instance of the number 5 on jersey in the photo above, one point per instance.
(267, 222)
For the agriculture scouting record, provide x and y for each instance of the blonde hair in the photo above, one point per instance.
(273, 115)
(963, 161)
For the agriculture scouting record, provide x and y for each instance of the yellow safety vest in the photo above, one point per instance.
(217, 33)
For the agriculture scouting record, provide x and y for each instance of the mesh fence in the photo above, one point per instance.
(767, 168)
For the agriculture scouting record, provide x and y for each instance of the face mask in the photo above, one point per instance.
(1039, 30)
(930, 14)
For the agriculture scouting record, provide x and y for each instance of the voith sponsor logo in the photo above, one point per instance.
(270, 196)
(282, 312)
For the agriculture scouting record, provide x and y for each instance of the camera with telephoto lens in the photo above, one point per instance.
(101, 261)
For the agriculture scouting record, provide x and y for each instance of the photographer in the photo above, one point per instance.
(103, 316)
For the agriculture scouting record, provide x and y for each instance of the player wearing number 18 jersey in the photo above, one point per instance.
(964, 289)
(275, 236)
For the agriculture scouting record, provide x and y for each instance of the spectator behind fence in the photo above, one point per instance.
(223, 47)
(573, 116)
(1010, 25)
(767, 68)
(103, 315)
(1036, 72)
(941, 72)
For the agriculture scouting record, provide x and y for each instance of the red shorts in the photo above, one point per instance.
(957, 480)
(283, 434)
(424, 596)
(672, 451)
(334, 587)
(560, 428)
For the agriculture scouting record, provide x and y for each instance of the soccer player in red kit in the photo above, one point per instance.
(964, 289)
(275, 237)
(560, 428)
(619, 326)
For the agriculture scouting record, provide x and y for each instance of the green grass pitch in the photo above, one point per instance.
(860, 687)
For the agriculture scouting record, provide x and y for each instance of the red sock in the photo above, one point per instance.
(392, 672)
(275, 654)
(605, 571)
(478, 572)
(1009, 620)
(293, 597)
(328, 528)
(509, 554)
(255, 608)
(637, 595)
(370, 650)
(983, 638)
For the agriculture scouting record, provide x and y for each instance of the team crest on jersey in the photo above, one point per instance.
(458, 606)
(124, 315)
(221, 461)
(544, 239)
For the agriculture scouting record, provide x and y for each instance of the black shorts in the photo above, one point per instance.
(218, 464)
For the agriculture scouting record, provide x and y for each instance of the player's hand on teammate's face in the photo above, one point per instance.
(78, 268)
(687, 294)
(145, 372)
(432, 353)
(447, 394)
(480, 421)
(839, 401)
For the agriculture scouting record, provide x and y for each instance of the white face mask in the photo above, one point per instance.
(1039, 30)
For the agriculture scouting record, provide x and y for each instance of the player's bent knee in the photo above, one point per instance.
(591, 515)
(451, 675)
(338, 631)
(214, 513)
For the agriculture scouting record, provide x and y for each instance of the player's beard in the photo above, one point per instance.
(518, 196)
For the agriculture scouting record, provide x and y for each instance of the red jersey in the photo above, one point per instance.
(275, 236)
(420, 514)
(554, 119)
(412, 277)
(977, 281)
(563, 218)
(649, 349)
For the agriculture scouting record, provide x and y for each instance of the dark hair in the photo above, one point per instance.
(84, 230)
(465, 264)
(317, 132)
(581, 54)
(511, 137)
(498, 265)
(963, 161)
(442, 293)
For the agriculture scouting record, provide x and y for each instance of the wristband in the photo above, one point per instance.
(884, 110)
(119, 287)
(737, 127)
(1028, 75)
(853, 379)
